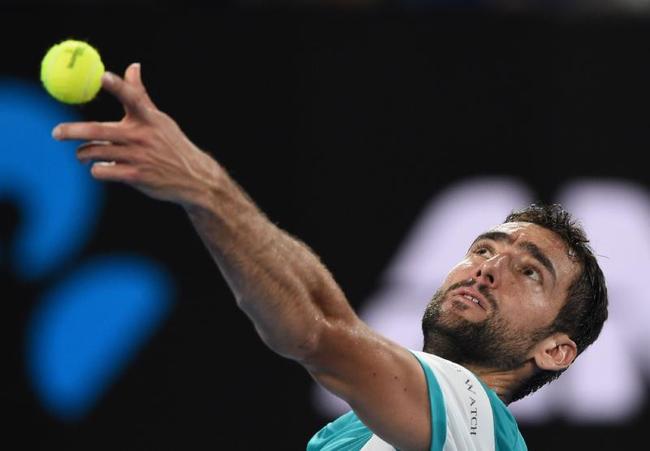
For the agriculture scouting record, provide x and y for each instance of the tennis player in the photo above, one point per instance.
(512, 315)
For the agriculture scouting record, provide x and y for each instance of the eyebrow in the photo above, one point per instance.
(531, 248)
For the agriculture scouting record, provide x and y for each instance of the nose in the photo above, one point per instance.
(489, 273)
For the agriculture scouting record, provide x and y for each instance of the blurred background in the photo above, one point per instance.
(385, 134)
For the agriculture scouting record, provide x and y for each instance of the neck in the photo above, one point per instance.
(504, 383)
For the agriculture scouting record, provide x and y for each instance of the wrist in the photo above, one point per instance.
(206, 183)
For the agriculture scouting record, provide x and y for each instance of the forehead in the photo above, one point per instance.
(546, 240)
(531, 232)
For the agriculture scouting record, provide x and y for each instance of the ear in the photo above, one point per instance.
(555, 352)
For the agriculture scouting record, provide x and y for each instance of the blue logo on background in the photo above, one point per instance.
(58, 199)
(88, 326)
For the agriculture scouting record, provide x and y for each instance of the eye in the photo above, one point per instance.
(532, 273)
(482, 250)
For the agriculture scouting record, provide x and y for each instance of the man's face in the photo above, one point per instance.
(519, 273)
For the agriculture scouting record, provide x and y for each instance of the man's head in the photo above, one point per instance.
(528, 290)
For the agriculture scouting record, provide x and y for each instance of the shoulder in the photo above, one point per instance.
(506, 431)
(451, 376)
(473, 415)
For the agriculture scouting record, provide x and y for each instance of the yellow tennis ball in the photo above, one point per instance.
(71, 72)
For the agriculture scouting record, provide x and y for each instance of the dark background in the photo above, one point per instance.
(340, 124)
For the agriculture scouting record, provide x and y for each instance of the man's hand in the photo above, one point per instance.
(150, 151)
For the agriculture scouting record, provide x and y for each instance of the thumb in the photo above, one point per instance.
(133, 76)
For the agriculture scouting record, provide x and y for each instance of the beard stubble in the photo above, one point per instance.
(490, 343)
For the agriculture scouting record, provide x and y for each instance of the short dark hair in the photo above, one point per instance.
(585, 311)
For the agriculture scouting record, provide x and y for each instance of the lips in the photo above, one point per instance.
(472, 296)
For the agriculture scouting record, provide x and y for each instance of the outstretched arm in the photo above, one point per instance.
(293, 301)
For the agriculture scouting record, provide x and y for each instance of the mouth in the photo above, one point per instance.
(471, 297)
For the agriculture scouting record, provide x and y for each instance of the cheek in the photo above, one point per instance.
(527, 312)
(461, 271)
(466, 263)
(466, 266)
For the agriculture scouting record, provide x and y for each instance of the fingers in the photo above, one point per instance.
(132, 95)
(103, 151)
(130, 92)
(89, 131)
(93, 143)
(133, 75)
(113, 172)
(111, 162)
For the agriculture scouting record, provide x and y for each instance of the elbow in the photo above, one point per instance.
(306, 347)
(300, 346)
(292, 333)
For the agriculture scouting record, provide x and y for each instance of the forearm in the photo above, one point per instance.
(276, 279)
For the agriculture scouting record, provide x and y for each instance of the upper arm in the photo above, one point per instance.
(382, 381)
